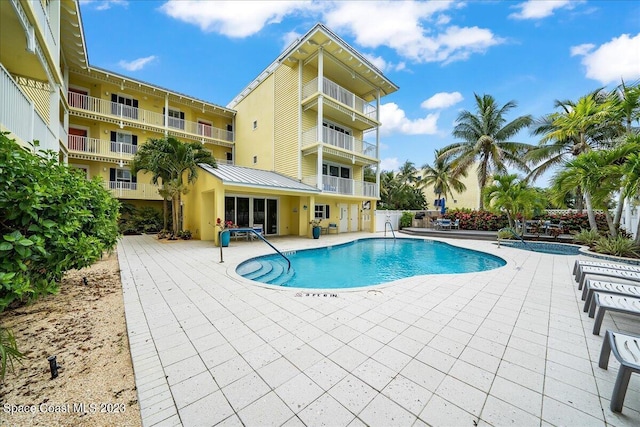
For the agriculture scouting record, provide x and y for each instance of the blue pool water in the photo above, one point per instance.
(366, 262)
(545, 248)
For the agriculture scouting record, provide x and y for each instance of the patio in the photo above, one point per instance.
(509, 346)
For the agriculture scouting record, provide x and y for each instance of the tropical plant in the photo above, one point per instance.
(618, 246)
(587, 237)
(8, 352)
(397, 194)
(514, 196)
(170, 160)
(486, 140)
(631, 179)
(440, 176)
(406, 219)
(52, 219)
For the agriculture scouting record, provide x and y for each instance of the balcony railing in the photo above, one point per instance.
(19, 115)
(350, 187)
(42, 17)
(101, 147)
(341, 95)
(133, 190)
(127, 112)
(340, 140)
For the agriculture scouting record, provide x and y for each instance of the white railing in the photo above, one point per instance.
(101, 147)
(341, 140)
(42, 17)
(351, 187)
(224, 162)
(19, 116)
(341, 95)
(133, 190)
(127, 112)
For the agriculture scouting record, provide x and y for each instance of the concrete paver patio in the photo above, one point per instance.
(510, 346)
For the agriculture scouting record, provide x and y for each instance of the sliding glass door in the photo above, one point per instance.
(250, 211)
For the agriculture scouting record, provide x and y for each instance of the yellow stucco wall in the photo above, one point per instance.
(257, 107)
(469, 199)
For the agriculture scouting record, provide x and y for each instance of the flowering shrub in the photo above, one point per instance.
(226, 224)
(478, 220)
(315, 223)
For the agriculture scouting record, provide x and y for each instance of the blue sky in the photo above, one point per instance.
(439, 53)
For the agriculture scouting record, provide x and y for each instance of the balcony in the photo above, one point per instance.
(340, 140)
(344, 186)
(118, 113)
(19, 115)
(343, 97)
(133, 190)
(92, 147)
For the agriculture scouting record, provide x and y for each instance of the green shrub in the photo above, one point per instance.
(478, 220)
(53, 220)
(587, 237)
(618, 246)
(406, 219)
(139, 220)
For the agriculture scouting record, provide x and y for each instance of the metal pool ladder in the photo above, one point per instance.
(391, 227)
(261, 237)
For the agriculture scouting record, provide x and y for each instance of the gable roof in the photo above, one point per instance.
(256, 178)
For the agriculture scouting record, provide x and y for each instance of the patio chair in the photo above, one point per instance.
(577, 266)
(456, 224)
(332, 227)
(616, 303)
(632, 276)
(626, 348)
(592, 286)
(258, 229)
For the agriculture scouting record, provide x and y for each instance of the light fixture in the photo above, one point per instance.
(121, 164)
(106, 131)
(107, 93)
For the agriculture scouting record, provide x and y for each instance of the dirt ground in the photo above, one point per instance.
(84, 327)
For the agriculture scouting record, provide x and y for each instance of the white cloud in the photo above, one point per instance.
(232, 18)
(105, 4)
(537, 9)
(289, 38)
(137, 64)
(401, 26)
(390, 164)
(615, 60)
(442, 100)
(582, 49)
(394, 121)
(378, 61)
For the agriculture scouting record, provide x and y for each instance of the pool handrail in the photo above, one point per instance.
(251, 230)
(391, 227)
(512, 231)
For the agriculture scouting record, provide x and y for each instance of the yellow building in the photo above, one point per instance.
(468, 199)
(291, 147)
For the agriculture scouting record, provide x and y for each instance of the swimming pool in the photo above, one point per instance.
(545, 248)
(365, 262)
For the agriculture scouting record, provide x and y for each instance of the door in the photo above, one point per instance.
(344, 218)
(272, 217)
(243, 212)
(353, 219)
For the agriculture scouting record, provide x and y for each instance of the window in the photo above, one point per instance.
(229, 158)
(335, 170)
(124, 106)
(204, 128)
(321, 212)
(255, 159)
(121, 179)
(124, 142)
(176, 119)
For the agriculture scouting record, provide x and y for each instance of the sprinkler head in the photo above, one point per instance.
(85, 281)
(53, 366)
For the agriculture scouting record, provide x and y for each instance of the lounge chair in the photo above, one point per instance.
(577, 266)
(455, 224)
(617, 303)
(632, 276)
(592, 286)
(626, 348)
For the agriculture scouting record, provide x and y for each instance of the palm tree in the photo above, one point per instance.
(440, 176)
(513, 196)
(580, 127)
(631, 180)
(170, 159)
(486, 139)
(408, 173)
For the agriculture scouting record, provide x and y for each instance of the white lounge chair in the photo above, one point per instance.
(586, 271)
(592, 286)
(617, 303)
(626, 348)
(577, 266)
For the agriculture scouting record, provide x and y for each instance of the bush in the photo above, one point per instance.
(139, 220)
(587, 237)
(618, 246)
(478, 220)
(406, 219)
(53, 220)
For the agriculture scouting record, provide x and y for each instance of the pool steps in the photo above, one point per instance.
(271, 272)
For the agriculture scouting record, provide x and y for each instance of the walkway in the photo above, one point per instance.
(509, 346)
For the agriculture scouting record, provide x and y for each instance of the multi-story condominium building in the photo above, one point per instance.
(291, 147)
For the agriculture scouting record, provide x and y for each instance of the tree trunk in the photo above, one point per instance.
(579, 200)
(165, 211)
(638, 234)
(618, 216)
(175, 215)
(590, 214)
(612, 228)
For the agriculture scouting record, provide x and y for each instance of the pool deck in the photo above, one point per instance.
(510, 346)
